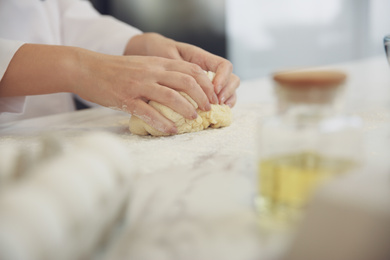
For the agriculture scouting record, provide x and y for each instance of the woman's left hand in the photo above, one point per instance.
(153, 44)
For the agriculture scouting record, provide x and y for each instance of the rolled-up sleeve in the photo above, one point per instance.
(84, 27)
(8, 49)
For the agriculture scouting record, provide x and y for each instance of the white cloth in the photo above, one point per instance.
(58, 22)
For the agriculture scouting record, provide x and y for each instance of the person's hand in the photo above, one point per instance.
(152, 44)
(129, 82)
(124, 83)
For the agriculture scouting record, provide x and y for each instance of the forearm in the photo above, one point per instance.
(40, 69)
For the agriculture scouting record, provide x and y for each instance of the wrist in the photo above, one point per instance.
(81, 70)
(71, 67)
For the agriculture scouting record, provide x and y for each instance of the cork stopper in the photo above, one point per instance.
(310, 78)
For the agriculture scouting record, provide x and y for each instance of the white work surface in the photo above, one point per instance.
(192, 195)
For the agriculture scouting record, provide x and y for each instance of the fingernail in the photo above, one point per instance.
(173, 130)
(222, 99)
(195, 115)
(229, 104)
(168, 129)
(207, 107)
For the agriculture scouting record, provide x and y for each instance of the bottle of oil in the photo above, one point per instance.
(307, 142)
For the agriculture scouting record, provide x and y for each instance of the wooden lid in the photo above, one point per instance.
(312, 78)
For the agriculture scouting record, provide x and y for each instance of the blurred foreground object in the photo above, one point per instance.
(347, 220)
(309, 141)
(62, 202)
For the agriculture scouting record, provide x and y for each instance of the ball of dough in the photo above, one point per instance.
(218, 116)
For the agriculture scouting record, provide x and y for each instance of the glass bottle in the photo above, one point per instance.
(386, 44)
(308, 141)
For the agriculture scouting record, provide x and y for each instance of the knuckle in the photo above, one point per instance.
(196, 69)
(132, 106)
(172, 53)
(237, 80)
(171, 96)
(189, 82)
(229, 64)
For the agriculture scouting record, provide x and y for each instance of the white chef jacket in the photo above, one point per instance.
(57, 22)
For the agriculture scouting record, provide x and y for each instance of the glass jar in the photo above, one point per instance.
(308, 141)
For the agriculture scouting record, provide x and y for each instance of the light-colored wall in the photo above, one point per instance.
(264, 36)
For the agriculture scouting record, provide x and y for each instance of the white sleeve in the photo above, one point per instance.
(84, 27)
(7, 51)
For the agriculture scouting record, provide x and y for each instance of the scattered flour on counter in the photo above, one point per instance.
(153, 154)
(237, 140)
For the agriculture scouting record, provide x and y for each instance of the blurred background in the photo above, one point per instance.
(260, 36)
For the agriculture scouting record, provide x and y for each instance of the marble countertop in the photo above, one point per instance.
(191, 195)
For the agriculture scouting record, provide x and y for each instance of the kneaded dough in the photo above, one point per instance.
(218, 116)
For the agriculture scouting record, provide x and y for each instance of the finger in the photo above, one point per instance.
(151, 116)
(222, 75)
(186, 83)
(222, 68)
(231, 101)
(168, 96)
(207, 61)
(200, 77)
(229, 89)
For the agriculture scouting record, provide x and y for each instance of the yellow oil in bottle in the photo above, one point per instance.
(287, 182)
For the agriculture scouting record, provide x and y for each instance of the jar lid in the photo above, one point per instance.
(310, 78)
